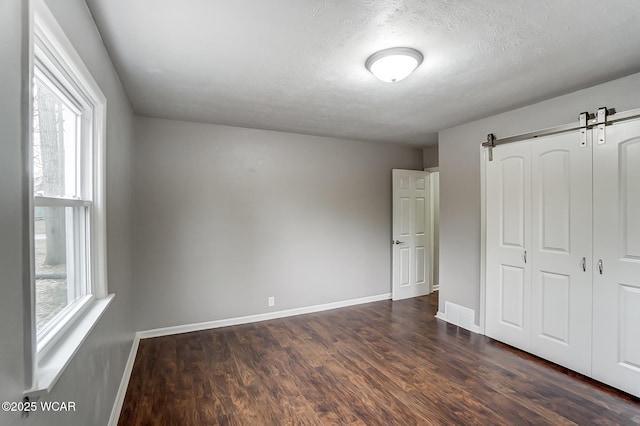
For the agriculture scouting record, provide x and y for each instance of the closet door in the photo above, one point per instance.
(616, 319)
(508, 234)
(561, 283)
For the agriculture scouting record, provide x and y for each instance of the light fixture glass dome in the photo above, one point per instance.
(394, 64)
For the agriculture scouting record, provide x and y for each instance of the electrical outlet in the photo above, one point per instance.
(272, 301)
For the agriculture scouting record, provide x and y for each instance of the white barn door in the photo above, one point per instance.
(561, 294)
(508, 235)
(616, 316)
(538, 253)
(410, 237)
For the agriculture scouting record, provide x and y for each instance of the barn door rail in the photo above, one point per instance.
(603, 117)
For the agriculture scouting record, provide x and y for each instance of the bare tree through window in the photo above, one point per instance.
(50, 127)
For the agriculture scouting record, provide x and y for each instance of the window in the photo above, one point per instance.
(62, 203)
(68, 285)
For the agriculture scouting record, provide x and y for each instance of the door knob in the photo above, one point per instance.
(398, 242)
(600, 268)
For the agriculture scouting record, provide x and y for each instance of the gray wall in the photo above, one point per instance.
(459, 153)
(12, 27)
(430, 156)
(93, 376)
(226, 217)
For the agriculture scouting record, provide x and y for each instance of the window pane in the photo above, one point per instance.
(59, 259)
(55, 141)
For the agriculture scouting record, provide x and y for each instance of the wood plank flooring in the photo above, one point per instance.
(384, 363)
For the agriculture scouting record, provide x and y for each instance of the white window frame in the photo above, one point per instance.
(52, 52)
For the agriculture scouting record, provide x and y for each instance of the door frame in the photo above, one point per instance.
(432, 241)
(483, 239)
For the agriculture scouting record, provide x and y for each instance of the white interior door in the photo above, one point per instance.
(410, 237)
(508, 235)
(561, 293)
(616, 319)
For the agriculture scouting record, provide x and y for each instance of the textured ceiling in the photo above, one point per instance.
(298, 65)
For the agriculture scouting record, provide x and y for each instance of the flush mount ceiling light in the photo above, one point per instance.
(394, 64)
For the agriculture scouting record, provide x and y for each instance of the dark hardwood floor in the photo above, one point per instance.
(383, 363)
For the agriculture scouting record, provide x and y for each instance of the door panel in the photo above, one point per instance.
(405, 265)
(629, 320)
(629, 178)
(410, 220)
(405, 216)
(421, 215)
(555, 305)
(555, 199)
(512, 300)
(561, 239)
(420, 266)
(616, 315)
(512, 203)
(508, 277)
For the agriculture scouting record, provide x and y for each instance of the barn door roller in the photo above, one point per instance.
(490, 143)
(602, 121)
(583, 120)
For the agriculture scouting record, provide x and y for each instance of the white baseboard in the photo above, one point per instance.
(187, 328)
(124, 383)
(460, 316)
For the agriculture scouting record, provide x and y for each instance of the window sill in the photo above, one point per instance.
(51, 367)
